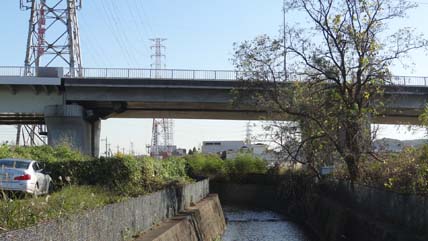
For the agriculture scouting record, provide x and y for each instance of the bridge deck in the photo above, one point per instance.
(110, 93)
(172, 74)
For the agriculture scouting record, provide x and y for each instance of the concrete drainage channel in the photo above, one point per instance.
(187, 213)
(201, 222)
(184, 213)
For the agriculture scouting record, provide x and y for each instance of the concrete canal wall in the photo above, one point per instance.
(406, 210)
(116, 222)
(336, 219)
(202, 222)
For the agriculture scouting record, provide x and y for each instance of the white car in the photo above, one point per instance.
(24, 176)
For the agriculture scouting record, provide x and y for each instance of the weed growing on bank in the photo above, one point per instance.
(404, 172)
(24, 212)
(83, 182)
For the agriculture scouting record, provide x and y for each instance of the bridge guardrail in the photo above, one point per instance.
(16, 71)
(159, 74)
(409, 80)
(178, 74)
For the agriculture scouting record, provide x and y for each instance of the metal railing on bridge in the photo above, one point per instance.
(179, 74)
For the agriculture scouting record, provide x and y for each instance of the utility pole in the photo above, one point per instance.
(52, 40)
(164, 126)
(131, 149)
(109, 153)
(107, 145)
(248, 133)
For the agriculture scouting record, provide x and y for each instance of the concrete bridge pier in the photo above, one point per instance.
(73, 125)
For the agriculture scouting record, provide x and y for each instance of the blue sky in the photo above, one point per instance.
(200, 35)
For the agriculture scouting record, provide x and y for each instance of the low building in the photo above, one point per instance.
(218, 147)
(257, 150)
(231, 149)
(179, 152)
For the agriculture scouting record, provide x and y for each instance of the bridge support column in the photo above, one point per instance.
(69, 124)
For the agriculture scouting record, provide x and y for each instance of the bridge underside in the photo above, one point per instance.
(23, 99)
(74, 107)
(218, 111)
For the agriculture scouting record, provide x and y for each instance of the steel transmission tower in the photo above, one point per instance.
(53, 40)
(162, 129)
(53, 35)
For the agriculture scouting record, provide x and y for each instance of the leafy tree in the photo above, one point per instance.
(338, 64)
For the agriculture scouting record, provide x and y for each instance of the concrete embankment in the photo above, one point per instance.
(327, 218)
(120, 221)
(201, 222)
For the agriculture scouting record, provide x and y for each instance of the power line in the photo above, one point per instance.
(146, 23)
(116, 33)
(117, 11)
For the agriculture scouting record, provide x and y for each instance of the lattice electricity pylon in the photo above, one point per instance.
(31, 134)
(163, 129)
(157, 57)
(162, 138)
(154, 147)
(53, 40)
(54, 35)
(167, 132)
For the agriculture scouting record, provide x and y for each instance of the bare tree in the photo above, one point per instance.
(339, 63)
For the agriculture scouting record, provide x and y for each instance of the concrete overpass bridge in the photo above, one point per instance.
(73, 107)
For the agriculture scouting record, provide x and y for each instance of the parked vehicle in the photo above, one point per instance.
(24, 176)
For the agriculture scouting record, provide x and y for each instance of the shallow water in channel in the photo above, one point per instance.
(251, 225)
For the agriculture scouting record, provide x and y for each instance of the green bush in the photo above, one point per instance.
(123, 173)
(206, 165)
(42, 153)
(214, 167)
(246, 164)
(172, 168)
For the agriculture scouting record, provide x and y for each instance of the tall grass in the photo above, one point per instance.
(20, 213)
(84, 182)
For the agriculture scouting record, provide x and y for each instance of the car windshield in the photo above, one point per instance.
(14, 164)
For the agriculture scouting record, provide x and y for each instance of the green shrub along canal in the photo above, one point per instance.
(258, 225)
